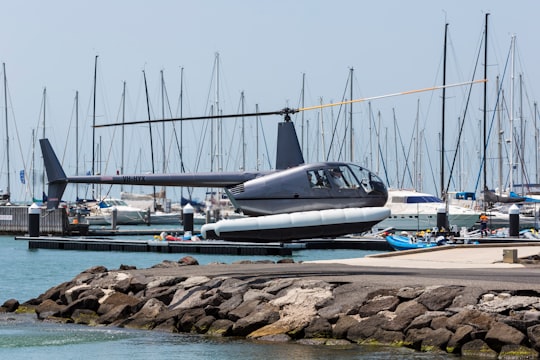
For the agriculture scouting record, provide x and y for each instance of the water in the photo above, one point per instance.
(28, 273)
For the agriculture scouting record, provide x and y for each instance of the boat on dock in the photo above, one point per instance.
(415, 211)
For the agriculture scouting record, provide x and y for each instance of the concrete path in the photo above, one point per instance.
(448, 257)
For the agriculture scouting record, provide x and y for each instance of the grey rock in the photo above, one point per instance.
(10, 305)
(220, 327)
(501, 334)
(533, 334)
(342, 326)
(405, 313)
(318, 328)
(439, 298)
(377, 304)
(478, 349)
(460, 337)
(515, 352)
(203, 324)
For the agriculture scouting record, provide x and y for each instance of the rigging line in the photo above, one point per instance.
(430, 163)
(461, 127)
(493, 118)
(406, 155)
(334, 132)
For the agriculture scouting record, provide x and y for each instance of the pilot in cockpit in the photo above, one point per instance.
(337, 177)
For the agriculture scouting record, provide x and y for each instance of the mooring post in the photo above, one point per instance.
(187, 220)
(514, 220)
(114, 217)
(34, 212)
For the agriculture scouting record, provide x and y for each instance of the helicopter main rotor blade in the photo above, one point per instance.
(284, 111)
(288, 111)
(391, 95)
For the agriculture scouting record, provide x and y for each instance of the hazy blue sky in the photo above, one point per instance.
(264, 48)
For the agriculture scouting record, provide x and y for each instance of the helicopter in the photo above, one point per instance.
(293, 188)
(294, 201)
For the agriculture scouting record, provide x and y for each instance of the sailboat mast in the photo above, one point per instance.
(511, 187)
(303, 105)
(163, 117)
(351, 135)
(243, 134)
(77, 141)
(7, 132)
(443, 190)
(150, 129)
(43, 136)
(123, 130)
(94, 127)
(485, 105)
(500, 143)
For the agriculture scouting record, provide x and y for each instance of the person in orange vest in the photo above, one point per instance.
(483, 224)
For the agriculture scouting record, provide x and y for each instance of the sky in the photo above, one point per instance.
(272, 52)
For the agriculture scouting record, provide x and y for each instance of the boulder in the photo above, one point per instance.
(115, 299)
(511, 352)
(318, 328)
(243, 310)
(533, 334)
(378, 303)
(366, 328)
(424, 320)
(404, 314)
(189, 318)
(228, 305)
(427, 339)
(460, 337)
(262, 315)
(203, 324)
(475, 318)
(342, 326)
(188, 260)
(220, 327)
(409, 293)
(439, 298)
(114, 314)
(385, 337)
(145, 318)
(501, 334)
(48, 308)
(478, 349)
(10, 305)
(85, 317)
(87, 303)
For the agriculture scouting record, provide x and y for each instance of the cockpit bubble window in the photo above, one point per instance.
(317, 179)
(343, 178)
(366, 177)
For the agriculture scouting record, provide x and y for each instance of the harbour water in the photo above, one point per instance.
(28, 273)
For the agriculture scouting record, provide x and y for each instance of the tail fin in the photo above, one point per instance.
(55, 174)
(288, 152)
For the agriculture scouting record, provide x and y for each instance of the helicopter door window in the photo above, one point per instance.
(343, 178)
(366, 178)
(317, 179)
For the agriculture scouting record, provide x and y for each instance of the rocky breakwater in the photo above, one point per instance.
(454, 319)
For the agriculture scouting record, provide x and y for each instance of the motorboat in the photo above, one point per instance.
(125, 214)
(414, 211)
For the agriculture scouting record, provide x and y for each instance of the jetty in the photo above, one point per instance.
(201, 246)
